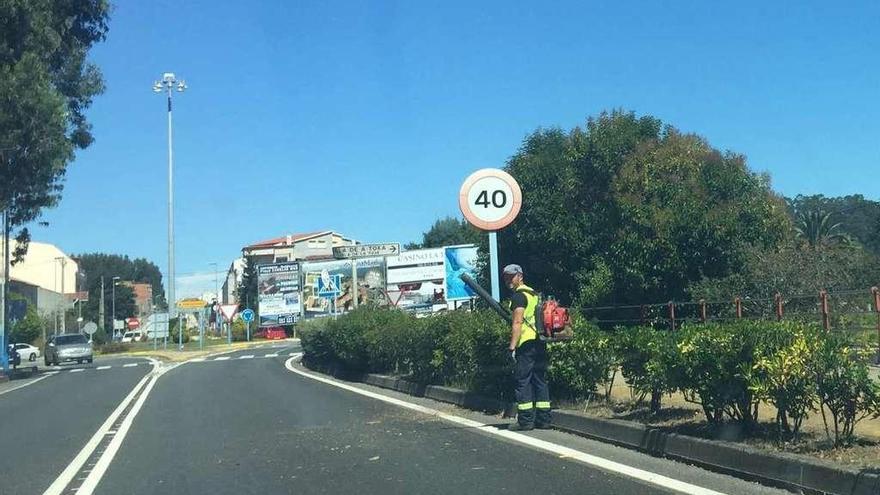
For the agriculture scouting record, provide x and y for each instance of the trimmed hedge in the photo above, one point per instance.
(727, 369)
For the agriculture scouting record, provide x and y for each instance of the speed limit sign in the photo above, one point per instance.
(490, 199)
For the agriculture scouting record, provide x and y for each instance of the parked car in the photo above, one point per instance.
(67, 347)
(133, 336)
(27, 352)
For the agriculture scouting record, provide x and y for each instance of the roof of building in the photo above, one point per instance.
(287, 239)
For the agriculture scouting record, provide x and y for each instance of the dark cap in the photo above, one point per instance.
(512, 270)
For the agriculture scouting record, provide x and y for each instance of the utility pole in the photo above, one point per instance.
(113, 303)
(101, 308)
(63, 299)
(4, 357)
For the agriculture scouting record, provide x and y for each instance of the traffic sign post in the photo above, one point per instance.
(228, 311)
(248, 316)
(490, 199)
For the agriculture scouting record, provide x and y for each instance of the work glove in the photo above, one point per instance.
(512, 356)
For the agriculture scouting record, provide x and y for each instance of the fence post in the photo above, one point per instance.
(777, 299)
(823, 309)
(672, 314)
(876, 293)
(702, 310)
(739, 306)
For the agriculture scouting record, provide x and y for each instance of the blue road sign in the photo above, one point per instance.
(247, 315)
(331, 287)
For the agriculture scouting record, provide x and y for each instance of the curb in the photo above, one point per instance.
(774, 469)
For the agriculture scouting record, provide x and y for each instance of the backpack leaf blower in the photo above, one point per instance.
(553, 320)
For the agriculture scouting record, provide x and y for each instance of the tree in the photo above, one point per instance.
(816, 229)
(449, 231)
(29, 328)
(97, 265)
(627, 210)
(859, 218)
(246, 292)
(46, 85)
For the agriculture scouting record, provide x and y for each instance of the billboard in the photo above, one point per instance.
(460, 259)
(417, 280)
(278, 293)
(327, 287)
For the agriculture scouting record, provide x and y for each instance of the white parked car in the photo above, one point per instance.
(134, 336)
(27, 352)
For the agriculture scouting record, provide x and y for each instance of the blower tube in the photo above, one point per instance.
(503, 313)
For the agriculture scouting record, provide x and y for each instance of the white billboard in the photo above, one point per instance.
(417, 280)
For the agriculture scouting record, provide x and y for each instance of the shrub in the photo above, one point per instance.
(844, 387)
(714, 367)
(647, 359)
(578, 367)
(784, 376)
(113, 347)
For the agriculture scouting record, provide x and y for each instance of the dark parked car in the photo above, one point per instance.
(67, 347)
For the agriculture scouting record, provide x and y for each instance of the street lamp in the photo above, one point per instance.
(113, 304)
(217, 324)
(168, 84)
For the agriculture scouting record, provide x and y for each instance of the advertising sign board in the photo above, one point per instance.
(416, 280)
(278, 290)
(460, 259)
(320, 277)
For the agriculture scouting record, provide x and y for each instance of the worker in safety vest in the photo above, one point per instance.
(530, 354)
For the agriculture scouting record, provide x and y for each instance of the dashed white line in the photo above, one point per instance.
(50, 373)
(103, 367)
(246, 356)
(562, 451)
(197, 360)
(77, 370)
(221, 358)
(274, 354)
(129, 365)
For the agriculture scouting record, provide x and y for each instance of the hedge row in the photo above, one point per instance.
(727, 369)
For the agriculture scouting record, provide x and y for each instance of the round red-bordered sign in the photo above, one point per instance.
(490, 199)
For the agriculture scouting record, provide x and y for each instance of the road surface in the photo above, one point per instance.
(246, 422)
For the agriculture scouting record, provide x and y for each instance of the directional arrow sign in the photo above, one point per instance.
(366, 250)
(229, 311)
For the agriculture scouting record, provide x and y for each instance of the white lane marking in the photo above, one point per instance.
(247, 356)
(77, 463)
(106, 458)
(22, 385)
(103, 367)
(274, 354)
(559, 450)
(197, 360)
(77, 370)
(129, 365)
(221, 358)
(50, 373)
(294, 354)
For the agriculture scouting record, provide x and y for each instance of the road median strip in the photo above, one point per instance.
(775, 469)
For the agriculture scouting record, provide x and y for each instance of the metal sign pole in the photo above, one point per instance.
(355, 292)
(493, 264)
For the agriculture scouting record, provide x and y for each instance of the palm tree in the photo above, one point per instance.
(817, 230)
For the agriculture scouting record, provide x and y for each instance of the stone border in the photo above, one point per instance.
(775, 469)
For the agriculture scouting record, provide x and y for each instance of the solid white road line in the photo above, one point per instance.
(129, 365)
(22, 385)
(559, 450)
(221, 358)
(103, 367)
(247, 356)
(57, 487)
(77, 370)
(106, 458)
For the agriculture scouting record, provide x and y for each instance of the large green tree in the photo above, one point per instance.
(626, 209)
(857, 217)
(46, 86)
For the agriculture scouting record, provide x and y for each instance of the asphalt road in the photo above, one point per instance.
(45, 423)
(244, 423)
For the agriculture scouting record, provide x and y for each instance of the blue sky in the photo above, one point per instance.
(364, 117)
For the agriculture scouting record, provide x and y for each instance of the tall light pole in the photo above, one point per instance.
(113, 304)
(168, 84)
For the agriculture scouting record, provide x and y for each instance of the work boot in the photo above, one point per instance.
(543, 426)
(520, 427)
